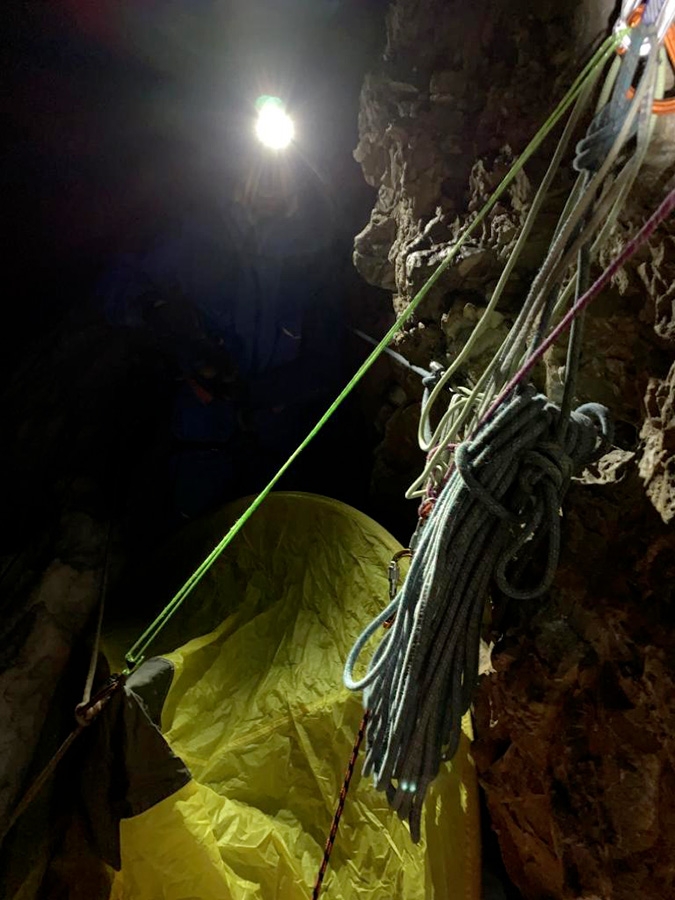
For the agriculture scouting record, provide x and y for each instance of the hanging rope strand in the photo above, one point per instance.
(137, 652)
(541, 299)
(500, 498)
(664, 210)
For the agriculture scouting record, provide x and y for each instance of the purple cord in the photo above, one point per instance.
(634, 244)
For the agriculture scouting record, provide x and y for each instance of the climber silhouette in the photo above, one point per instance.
(241, 298)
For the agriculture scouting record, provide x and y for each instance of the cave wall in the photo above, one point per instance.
(85, 397)
(575, 722)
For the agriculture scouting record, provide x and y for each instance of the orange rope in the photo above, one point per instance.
(659, 107)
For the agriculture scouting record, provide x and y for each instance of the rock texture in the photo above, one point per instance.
(78, 401)
(44, 635)
(657, 465)
(575, 727)
(576, 724)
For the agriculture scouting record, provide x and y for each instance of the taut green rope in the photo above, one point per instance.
(137, 652)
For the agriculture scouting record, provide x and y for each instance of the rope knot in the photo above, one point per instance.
(547, 461)
(468, 469)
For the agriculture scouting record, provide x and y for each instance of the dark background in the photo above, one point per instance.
(118, 114)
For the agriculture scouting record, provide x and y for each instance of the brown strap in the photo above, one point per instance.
(85, 714)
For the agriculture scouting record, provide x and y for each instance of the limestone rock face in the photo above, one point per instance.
(657, 465)
(37, 645)
(575, 726)
(575, 716)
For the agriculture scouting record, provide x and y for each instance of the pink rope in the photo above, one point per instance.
(631, 247)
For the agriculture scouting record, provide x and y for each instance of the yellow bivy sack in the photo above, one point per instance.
(259, 730)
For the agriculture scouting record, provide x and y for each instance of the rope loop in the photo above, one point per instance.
(464, 465)
(497, 513)
(547, 461)
(606, 126)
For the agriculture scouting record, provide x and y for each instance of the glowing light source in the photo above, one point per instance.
(274, 127)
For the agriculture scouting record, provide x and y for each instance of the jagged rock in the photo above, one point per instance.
(657, 466)
(37, 640)
(67, 409)
(371, 252)
(573, 726)
(574, 716)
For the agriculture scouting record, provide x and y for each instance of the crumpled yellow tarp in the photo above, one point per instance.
(258, 712)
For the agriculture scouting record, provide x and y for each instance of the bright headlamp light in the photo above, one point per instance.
(274, 127)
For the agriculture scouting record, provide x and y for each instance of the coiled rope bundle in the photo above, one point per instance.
(499, 461)
(500, 504)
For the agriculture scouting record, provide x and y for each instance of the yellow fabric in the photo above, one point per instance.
(258, 713)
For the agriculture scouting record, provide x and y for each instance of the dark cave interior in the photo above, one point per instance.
(121, 120)
(125, 119)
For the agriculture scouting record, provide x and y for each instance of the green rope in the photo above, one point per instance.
(137, 652)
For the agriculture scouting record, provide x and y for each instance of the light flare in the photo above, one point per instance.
(274, 127)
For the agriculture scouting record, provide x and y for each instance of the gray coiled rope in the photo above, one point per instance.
(594, 147)
(500, 504)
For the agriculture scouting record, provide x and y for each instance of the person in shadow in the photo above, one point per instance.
(242, 299)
